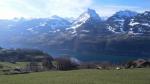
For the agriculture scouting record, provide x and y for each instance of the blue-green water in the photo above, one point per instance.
(109, 58)
(98, 57)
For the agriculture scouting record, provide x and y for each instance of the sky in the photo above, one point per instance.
(67, 8)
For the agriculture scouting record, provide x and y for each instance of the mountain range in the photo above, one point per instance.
(124, 33)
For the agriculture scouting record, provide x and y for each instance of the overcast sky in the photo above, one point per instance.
(67, 8)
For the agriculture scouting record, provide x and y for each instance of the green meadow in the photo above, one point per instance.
(85, 76)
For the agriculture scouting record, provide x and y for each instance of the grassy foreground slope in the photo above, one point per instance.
(130, 76)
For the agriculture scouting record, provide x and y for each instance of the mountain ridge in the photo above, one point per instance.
(87, 34)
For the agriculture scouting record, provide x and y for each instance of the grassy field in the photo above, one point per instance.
(130, 76)
(17, 64)
(7, 65)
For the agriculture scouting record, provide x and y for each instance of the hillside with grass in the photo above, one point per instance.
(87, 76)
(21, 55)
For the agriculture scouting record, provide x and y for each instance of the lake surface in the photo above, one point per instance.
(113, 59)
(96, 57)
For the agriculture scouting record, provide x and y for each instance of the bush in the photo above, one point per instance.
(65, 63)
(1, 66)
(47, 63)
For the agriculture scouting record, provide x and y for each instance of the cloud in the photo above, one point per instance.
(108, 10)
(63, 8)
(67, 7)
(42, 8)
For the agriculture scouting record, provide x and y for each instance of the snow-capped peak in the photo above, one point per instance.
(122, 15)
(116, 22)
(126, 13)
(147, 13)
(92, 13)
(89, 14)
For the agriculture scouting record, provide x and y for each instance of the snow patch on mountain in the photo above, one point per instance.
(89, 15)
(110, 28)
(133, 23)
(116, 22)
(30, 29)
(42, 24)
(146, 24)
(85, 31)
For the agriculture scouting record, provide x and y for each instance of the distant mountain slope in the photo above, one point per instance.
(139, 24)
(124, 33)
(116, 22)
(13, 55)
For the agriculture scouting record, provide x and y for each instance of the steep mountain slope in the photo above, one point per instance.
(116, 22)
(31, 32)
(139, 24)
(88, 23)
